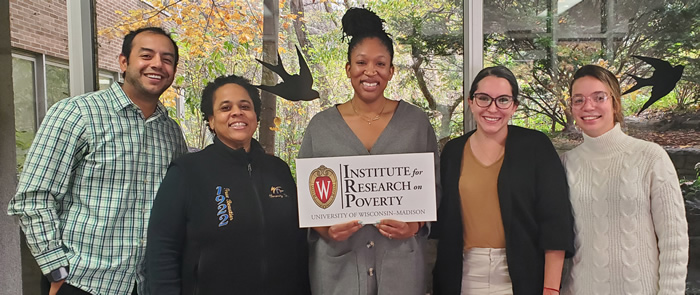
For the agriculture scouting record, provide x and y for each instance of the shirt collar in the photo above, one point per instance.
(255, 149)
(611, 142)
(122, 101)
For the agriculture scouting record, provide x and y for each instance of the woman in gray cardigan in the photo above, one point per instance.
(386, 258)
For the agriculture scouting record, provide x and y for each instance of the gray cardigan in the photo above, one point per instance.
(368, 263)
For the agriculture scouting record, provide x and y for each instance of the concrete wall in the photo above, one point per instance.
(685, 161)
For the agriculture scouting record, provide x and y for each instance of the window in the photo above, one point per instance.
(57, 83)
(164, 3)
(24, 86)
(105, 80)
(545, 42)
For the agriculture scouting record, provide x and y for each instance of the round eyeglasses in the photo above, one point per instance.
(595, 98)
(484, 100)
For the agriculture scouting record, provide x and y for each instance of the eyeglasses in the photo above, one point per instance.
(595, 98)
(484, 100)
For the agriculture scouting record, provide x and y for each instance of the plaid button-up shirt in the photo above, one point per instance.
(85, 195)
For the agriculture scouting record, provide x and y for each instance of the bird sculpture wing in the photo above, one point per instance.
(304, 71)
(292, 87)
(662, 80)
(660, 66)
(639, 83)
(278, 69)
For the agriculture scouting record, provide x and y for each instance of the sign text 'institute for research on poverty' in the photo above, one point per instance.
(367, 188)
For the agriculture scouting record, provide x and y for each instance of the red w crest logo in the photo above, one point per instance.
(323, 186)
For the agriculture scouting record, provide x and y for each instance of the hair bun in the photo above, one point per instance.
(357, 21)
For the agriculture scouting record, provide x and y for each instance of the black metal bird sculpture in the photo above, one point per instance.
(293, 87)
(662, 81)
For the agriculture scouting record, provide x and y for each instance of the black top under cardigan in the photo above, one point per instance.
(196, 245)
(535, 208)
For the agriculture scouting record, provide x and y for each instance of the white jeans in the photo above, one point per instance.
(485, 271)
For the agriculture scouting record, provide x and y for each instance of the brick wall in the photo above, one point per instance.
(41, 26)
(109, 49)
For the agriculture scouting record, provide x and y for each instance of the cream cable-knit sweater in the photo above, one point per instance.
(631, 230)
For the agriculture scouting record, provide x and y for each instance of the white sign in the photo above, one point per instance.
(367, 188)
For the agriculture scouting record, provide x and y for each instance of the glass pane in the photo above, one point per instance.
(545, 42)
(25, 106)
(105, 82)
(428, 45)
(57, 84)
(515, 16)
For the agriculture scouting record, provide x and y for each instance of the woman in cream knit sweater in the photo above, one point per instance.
(631, 231)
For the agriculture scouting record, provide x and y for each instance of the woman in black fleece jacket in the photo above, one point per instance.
(225, 219)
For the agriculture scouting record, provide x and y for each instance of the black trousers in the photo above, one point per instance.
(67, 289)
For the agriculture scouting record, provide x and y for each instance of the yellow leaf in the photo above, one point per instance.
(169, 97)
(277, 121)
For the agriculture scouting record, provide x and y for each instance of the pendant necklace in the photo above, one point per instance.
(365, 118)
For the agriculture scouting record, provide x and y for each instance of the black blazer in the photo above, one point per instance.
(535, 208)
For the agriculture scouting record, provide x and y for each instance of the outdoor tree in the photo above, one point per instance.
(544, 45)
(215, 38)
(431, 39)
(269, 101)
(670, 32)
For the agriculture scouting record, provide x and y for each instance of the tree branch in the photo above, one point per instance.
(420, 77)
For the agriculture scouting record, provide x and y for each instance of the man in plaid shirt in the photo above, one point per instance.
(93, 170)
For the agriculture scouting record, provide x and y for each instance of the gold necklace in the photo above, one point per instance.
(365, 118)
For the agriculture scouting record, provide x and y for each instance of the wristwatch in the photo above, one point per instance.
(58, 274)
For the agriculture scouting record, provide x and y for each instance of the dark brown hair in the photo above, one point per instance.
(500, 72)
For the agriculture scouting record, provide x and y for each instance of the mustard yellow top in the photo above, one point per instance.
(481, 210)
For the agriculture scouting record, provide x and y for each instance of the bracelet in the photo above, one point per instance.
(551, 289)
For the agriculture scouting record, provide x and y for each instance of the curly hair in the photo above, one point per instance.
(361, 23)
(207, 104)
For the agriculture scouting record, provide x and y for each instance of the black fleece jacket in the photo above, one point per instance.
(225, 222)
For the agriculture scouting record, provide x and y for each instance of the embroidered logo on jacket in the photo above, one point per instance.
(223, 206)
(323, 186)
(277, 192)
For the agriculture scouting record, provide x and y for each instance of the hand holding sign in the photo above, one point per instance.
(339, 232)
(394, 229)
